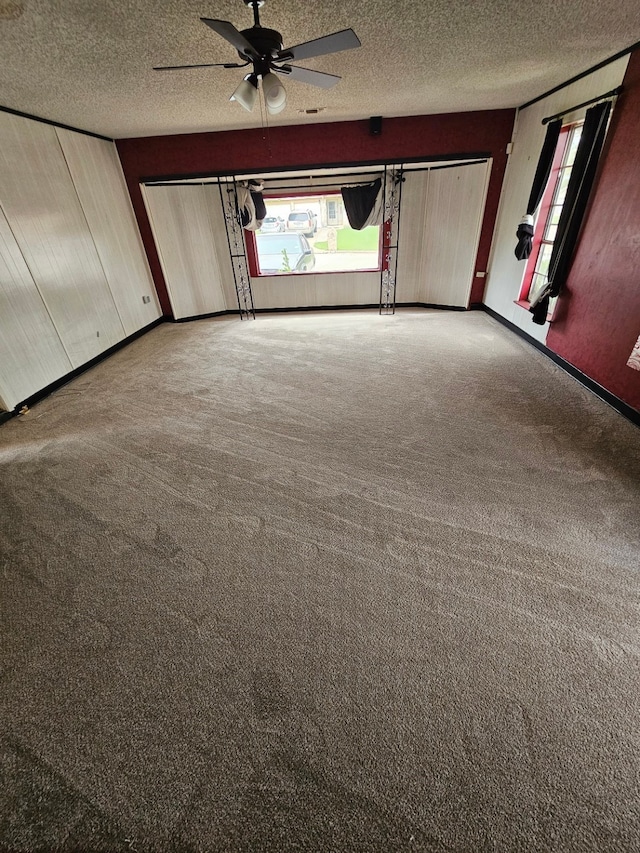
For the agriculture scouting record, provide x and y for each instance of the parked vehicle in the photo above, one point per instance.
(305, 221)
(284, 253)
(272, 225)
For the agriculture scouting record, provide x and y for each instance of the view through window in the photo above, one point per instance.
(311, 233)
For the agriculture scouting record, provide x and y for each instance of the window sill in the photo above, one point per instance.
(294, 274)
(524, 303)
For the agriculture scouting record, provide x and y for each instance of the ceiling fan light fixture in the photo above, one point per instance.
(275, 95)
(247, 92)
(275, 110)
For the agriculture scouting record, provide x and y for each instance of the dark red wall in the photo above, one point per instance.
(470, 134)
(598, 316)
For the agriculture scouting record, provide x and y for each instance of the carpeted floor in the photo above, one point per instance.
(321, 582)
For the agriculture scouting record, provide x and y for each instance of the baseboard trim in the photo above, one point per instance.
(616, 403)
(202, 316)
(366, 306)
(432, 306)
(63, 380)
(311, 308)
(308, 308)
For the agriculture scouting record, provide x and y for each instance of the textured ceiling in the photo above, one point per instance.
(88, 63)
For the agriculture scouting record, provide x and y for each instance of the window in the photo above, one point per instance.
(549, 215)
(310, 233)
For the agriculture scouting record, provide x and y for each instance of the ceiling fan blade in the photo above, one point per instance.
(306, 75)
(205, 65)
(231, 34)
(343, 40)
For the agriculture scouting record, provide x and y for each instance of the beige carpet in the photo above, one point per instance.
(321, 582)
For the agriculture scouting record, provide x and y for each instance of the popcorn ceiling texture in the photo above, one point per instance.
(90, 65)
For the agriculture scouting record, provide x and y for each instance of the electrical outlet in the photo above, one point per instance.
(146, 299)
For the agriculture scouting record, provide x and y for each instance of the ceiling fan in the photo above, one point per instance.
(262, 48)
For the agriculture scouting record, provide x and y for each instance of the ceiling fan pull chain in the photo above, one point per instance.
(266, 135)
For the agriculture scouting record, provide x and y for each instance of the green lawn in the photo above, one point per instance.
(354, 241)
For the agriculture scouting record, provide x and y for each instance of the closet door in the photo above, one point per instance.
(186, 238)
(42, 208)
(31, 353)
(101, 188)
(440, 221)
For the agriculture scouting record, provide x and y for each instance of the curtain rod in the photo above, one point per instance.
(610, 94)
(367, 175)
(370, 177)
(309, 188)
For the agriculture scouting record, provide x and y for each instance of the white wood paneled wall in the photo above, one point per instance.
(299, 291)
(101, 188)
(441, 216)
(505, 274)
(26, 329)
(216, 220)
(440, 220)
(189, 232)
(65, 297)
(50, 228)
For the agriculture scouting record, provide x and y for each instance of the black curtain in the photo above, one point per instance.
(252, 207)
(359, 202)
(575, 205)
(543, 170)
(258, 201)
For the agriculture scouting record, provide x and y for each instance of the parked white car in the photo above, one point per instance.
(272, 225)
(305, 221)
(286, 253)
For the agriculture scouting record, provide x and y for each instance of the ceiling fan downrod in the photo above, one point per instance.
(255, 5)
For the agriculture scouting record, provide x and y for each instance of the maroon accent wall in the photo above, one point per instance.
(468, 134)
(597, 319)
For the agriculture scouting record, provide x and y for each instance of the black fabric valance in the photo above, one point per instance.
(360, 203)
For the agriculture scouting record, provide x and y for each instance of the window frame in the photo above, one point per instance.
(542, 219)
(252, 248)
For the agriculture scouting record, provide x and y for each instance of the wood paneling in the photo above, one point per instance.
(413, 227)
(441, 217)
(40, 202)
(296, 291)
(442, 213)
(31, 353)
(101, 188)
(211, 195)
(181, 220)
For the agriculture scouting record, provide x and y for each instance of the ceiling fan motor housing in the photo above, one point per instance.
(265, 41)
